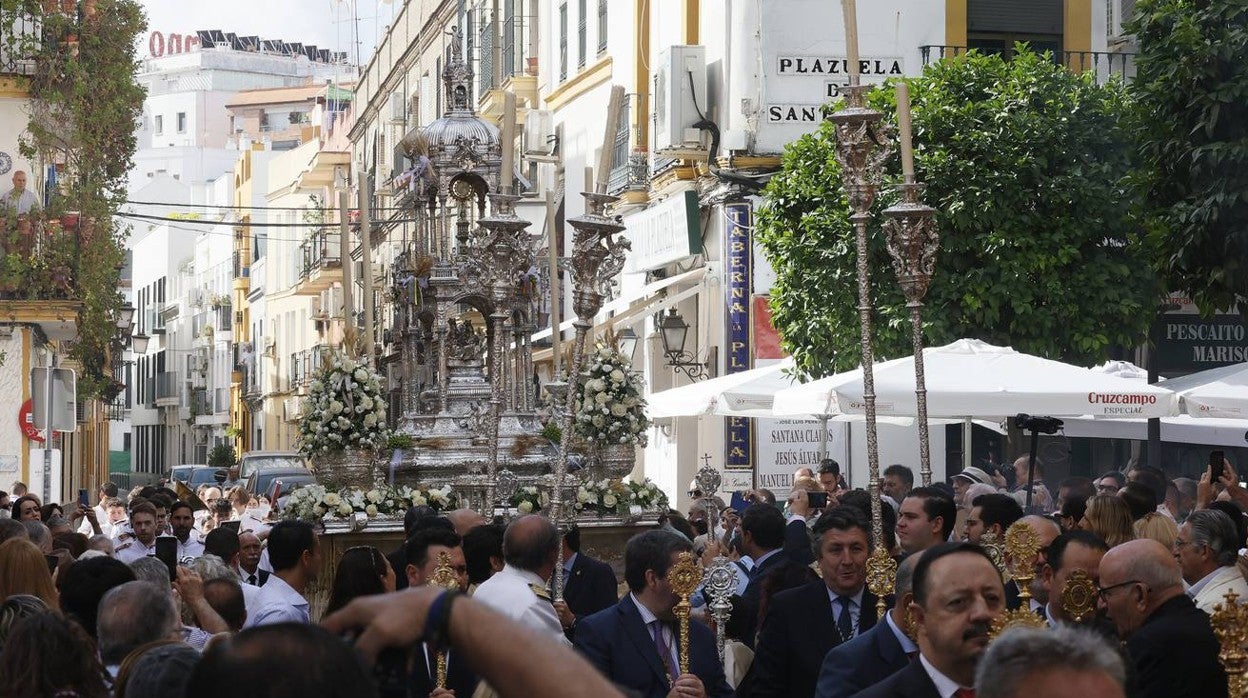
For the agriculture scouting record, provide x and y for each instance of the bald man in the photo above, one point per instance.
(519, 591)
(464, 520)
(1046, 531)
(19, 198)
(1170, 641)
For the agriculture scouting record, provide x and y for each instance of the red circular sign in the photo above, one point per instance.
(26, 421)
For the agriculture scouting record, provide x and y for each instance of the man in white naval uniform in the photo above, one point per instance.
(519, 591)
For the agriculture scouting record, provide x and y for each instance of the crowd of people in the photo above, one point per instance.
(90, 607)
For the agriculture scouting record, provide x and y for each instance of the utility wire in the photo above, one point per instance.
(223, 207)
(145, 217)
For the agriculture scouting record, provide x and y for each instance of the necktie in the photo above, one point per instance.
(845, 624)
(251, 580)
(964, 693)
(665, 651)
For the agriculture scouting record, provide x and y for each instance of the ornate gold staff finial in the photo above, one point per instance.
(1079, 596)
(881, 577)
(684, 577)
(1021, 546)
(443, 576)
(1230, 624)
(992, 545)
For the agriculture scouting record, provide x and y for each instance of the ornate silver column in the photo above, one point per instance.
(504, 246)
(597, 257)
(721, 575)
(912, 241)
(863, 145)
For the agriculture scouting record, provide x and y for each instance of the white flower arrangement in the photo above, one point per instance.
(345, 409)
(647, 496)
(529, 499)
(602, 496)
(316, 503)
(610, 409)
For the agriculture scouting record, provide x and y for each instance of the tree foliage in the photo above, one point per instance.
(84, 104)
(1027, 165)
(1192, 89)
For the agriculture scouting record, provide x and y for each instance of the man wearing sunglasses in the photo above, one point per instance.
(1169, 640)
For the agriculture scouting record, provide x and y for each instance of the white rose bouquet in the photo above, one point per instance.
(528, 499)
(610, 408)
(316, 503)
(647, 496)
(602, 496)
(345, 409)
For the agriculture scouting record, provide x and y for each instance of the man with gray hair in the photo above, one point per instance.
(12, 528)
(131, 616)
(40, 535)
(1207, 550)
(877, 653)
(519, 591)
(1170, 642)
(1031, 663)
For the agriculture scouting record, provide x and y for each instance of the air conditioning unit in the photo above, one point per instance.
(398, 107)
(680, 101)
(539, 133)
(331, 302)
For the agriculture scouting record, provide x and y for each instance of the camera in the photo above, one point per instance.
(1040, 425)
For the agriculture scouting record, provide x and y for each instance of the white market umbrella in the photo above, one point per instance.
(1209, 431)
(1218, 392)
(970, 378)
(744, 394)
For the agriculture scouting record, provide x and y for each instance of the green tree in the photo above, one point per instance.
(1192, 89)
(84, 104)
(1028, 166)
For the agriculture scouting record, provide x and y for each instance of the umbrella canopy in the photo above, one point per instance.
(970, 378)
(744, 394)
(1218, 392)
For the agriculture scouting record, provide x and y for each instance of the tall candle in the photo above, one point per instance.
(589, 178)
(851, 38)
(508, 173)
(606, 156)
(903, 128)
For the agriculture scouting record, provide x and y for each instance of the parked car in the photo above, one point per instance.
(284, 485)
(206, 475)
(261, 480)
(257, 460)
(182, 473)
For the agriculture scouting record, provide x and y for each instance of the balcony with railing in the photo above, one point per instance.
(41, 254)
(168, 393)
(1102, 65)
(504, 61)
(19, 36)
(629, 170)
(321, 262)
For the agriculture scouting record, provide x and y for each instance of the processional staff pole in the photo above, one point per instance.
(862, 147)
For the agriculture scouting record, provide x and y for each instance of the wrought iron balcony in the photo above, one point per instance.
(321, 250)
(19, 34)
(1104, 66)
(39, 255)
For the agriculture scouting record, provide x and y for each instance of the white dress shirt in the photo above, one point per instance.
(132, 549)
(24, 202)
(945, 686)
(279, 603)
(191, 549)
(907, 645)
(669, 638)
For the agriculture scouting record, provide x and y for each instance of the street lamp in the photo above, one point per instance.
(125, 317)
(138, 343)
(627, 341)
(673, 330)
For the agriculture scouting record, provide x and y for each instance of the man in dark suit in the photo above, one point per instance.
(803, 624)
(875, 654)
(1170, 641)
(589, 585)
(957, 594)
(635, 644)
